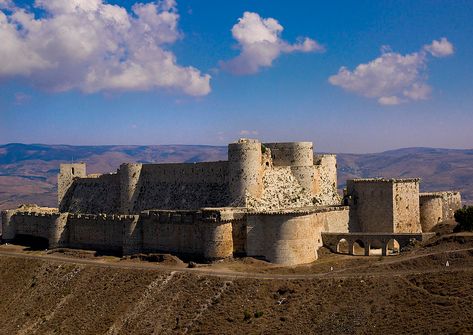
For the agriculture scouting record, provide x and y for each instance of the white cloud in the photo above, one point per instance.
(93, 46)
(260, 44)
(389, 101)
(392, 78)
(442, 48)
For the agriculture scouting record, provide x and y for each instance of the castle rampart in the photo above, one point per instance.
(180, 232)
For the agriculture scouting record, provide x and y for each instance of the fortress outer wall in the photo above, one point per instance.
(292, 238)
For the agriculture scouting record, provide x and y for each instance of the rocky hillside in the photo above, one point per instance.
(414, 293)
(28, 172)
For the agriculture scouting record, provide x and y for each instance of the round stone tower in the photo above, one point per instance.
(292, 153)
(129, 178)
(8, 224)
(57, 236)
(245, 170)
(431, 210)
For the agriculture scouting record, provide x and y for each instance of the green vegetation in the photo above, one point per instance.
(263, 148)
(464, 219)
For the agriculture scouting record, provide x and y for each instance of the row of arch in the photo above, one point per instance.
(367, 248)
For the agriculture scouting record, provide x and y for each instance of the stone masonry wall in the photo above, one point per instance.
(436, 207)
(153, 231)
(67, 174)
(97, 194)
(283, 239)
(182, 186)
(291, 153)
(451, 202)
(385, 205)
(371, 205)
(280, 190)
(406, 206)
(259, 176)
(326, 171)
(430, 211)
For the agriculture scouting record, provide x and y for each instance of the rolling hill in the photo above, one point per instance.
(28, 171)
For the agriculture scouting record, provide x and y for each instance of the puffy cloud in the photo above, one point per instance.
(260, 44)
(392, 78)
(440, 48)
(93, 46)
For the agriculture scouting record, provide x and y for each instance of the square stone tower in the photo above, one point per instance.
(65, 178)
(384, 205)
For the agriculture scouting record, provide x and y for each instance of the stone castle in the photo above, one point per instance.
(274, 201)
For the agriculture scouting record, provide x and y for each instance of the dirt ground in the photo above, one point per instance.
(76, 292)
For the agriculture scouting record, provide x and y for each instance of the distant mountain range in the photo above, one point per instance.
(28, 172)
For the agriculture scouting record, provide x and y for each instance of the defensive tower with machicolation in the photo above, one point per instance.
(274, 201)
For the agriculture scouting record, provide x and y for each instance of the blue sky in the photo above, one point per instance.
(266, 82)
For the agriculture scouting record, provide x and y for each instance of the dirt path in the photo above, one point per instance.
(227, 273)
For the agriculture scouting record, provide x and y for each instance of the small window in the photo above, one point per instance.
(72, 171)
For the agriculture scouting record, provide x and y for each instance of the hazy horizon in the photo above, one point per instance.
(316, 150)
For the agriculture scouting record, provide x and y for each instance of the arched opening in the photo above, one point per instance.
(359, 248)
(31, 242)
(342, 246)
(393, 247)
(376, 248)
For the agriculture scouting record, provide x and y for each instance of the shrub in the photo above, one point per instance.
(263, 148)
(246, 315)
(464, 219)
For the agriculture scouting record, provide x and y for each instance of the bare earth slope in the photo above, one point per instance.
(28, 172)
(414, 293)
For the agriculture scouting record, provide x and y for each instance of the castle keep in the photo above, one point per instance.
(275, 201)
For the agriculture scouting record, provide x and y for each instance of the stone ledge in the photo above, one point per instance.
(384, 180)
